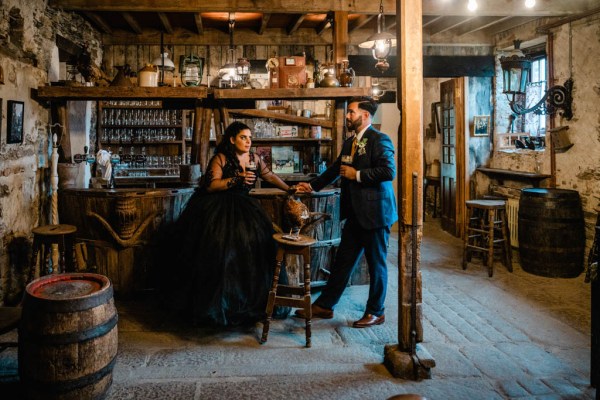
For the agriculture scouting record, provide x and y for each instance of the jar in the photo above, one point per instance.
(346, 77)
(148, 76)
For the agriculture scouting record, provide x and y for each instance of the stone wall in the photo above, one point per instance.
(27, 40)
(577, 168)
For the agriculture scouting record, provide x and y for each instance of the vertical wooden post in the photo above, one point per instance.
(410, 155)
(340, 36)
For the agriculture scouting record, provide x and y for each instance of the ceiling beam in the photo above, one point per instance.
(199, 25)
(325, 24)
(216, 37)
(430, 7)
(359, 22)
(263, 23)
(164, 20)
(507, 24)
(296, 23)
(99, 21)
(478, 24)
(131, 21)
(444, 24)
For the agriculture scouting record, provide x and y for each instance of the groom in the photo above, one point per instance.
(366, 165)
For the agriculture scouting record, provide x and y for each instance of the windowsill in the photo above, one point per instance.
(520, 151)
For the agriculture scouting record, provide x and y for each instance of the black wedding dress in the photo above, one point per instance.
(225, 256)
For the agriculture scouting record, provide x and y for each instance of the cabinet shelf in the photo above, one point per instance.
(277, 116)
(142, 143)
(298, 93)
(118, 92)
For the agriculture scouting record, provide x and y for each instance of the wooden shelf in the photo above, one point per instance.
(116, 92)
(501, 174)
(300, 93)
(283, 117)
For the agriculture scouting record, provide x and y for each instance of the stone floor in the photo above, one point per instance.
(512, 336)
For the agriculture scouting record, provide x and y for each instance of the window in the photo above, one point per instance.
(534, 124)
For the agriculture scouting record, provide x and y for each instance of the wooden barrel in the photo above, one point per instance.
(118, 227)
(68, 337)
(327, 233)
(551, 232)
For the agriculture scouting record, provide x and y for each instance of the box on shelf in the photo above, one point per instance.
(286, 131)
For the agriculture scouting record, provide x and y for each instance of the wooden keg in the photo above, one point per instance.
(68, 337)
(551, 232)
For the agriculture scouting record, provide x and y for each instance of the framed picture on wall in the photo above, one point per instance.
(481, 125)
(14, 121)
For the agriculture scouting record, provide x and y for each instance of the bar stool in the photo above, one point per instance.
(485, 231)
(43, 238)
(300, 246)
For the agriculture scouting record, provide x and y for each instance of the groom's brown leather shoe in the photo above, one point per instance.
(317, 312)
(369, 320)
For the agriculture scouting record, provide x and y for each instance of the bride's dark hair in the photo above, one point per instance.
(226, 147)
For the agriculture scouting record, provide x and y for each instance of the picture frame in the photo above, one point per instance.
(15, 111)
(481, 125)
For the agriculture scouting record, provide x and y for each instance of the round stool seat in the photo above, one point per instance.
(407, 396)
(287, 240)
(54, 230)
(47, 236)
(486, 204)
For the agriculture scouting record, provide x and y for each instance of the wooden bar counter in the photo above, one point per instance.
(117, 227)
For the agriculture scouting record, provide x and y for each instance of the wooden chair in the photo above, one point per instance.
(486, 230)
(290, 296)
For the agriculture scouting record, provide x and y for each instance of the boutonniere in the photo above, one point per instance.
(360, 146)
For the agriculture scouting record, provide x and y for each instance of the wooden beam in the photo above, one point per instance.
(340, 36)
(410, 160)
(325, 24)
(360, 22)
(444, 23)
(99, 21)
(199, 25)
(478, 24)
(430, 7)
(164, 20)
(294, 25)
(263, 23)
(507, 24)
(131, 21)
(303, 37)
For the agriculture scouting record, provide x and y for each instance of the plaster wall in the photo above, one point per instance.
(27, 42)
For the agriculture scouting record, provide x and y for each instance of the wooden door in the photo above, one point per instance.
(452, 163)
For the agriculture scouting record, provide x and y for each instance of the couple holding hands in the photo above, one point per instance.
(225, 248)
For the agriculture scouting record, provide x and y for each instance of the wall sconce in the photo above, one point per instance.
(516, 68)
(381, 42)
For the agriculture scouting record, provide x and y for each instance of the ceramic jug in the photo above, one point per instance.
(346, 74)
(148, 76)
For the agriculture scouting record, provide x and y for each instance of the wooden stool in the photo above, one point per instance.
(487, 229)
(43, 239)
(301, 246)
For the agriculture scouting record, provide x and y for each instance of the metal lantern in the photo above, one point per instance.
(516, 69)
